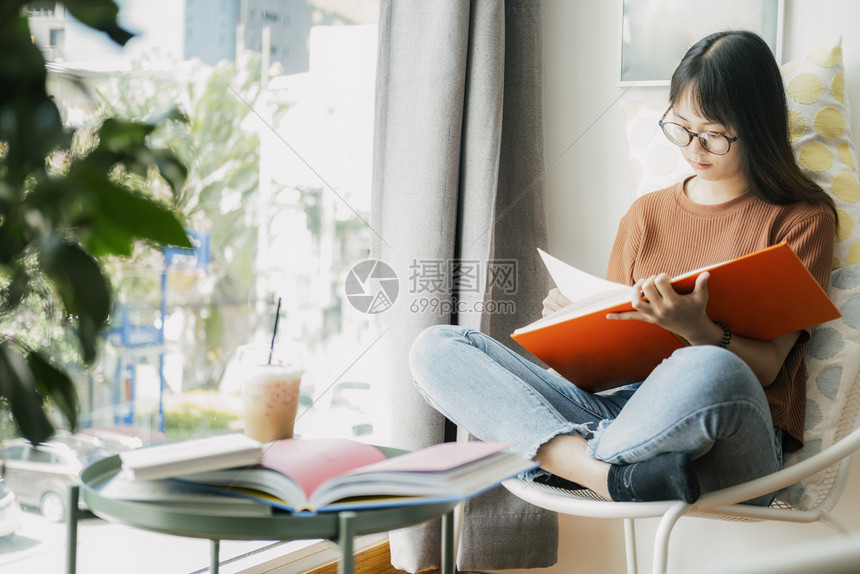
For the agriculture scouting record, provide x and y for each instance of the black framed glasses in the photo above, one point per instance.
(713, 142)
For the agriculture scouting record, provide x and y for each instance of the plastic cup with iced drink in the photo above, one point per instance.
(270, 398)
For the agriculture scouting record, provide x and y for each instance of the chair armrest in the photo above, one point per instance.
(771, 483)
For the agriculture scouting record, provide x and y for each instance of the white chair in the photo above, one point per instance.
(834, 461)
(819, 477)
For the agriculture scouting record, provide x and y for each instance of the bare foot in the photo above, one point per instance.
(566, 455)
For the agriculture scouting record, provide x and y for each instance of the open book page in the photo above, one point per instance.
(577, 285)
(578, 309)
(311, 462)
(587, 292)
(436, 458)
(455, 483)
(292, 469)
(446, 471)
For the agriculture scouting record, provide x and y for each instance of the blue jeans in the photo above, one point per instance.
(703, 401)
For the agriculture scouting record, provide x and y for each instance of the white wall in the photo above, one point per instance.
(590, 186)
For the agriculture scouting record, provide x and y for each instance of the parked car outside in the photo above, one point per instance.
(40, 475)
(124, 437)
(10, 511)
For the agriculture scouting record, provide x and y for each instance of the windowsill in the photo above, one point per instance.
(294, 556)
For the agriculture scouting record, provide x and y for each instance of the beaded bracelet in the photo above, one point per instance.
(727, 334)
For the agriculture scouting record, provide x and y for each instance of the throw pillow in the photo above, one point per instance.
(832, 363)
(820, 129)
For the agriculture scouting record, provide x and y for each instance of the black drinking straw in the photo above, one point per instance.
(275, 332)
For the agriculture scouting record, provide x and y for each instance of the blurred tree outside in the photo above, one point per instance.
(61, 213)
(221, 147)
(284, 233)
(227, 108)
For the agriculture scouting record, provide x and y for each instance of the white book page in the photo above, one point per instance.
(579, 286)
(577, 309)
(586, 292)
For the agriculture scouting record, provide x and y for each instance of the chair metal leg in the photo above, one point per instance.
(661, 538)
(459, 513)
(630, 546)
(830, 521)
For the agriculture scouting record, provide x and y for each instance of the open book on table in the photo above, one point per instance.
(762, 295)
(322, 475)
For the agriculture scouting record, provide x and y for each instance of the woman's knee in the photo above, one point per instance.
(711, 369)
(431, 346)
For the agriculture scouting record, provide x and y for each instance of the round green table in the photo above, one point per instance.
(340, 527)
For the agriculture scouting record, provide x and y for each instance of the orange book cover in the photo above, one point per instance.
(762, 295)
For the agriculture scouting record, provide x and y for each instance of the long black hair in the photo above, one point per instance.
(732, 78)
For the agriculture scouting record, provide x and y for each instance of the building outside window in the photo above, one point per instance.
(57, 38)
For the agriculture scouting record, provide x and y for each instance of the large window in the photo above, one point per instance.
(278, 104)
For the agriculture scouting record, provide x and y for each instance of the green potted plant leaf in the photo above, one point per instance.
(60, 213)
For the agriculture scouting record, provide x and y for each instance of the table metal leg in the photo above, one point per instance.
(72, 529)
(214, 555)
(448, 543)
(345, 537)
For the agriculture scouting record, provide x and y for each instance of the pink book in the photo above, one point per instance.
(309, 463)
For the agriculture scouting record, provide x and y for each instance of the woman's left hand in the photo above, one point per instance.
(656, 301)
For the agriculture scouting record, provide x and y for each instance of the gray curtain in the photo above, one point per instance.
(458, 212)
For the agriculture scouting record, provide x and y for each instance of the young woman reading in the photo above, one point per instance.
(720, 411)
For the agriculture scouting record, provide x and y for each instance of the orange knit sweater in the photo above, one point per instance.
(665, 232)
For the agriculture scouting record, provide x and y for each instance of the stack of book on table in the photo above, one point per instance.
(233, 474)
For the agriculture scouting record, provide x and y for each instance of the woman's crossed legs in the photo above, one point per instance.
(699, 422)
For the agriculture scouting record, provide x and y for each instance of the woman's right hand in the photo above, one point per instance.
(553, 302)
